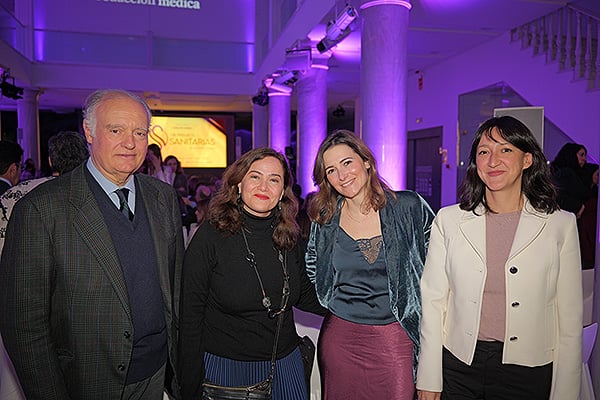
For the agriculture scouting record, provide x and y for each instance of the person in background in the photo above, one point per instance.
(11, 156)
(365, 255)
(199, 209)
(180, 184)
(202, 199)
(89, 275)
(567, 173)
(589, 217)
(193, 182)
(29, 171)
(154, 166)
(180, 180)
(214, 182)
(501, 289)
(304, 221)
(229, 306)
(297, 190)
(66, 150)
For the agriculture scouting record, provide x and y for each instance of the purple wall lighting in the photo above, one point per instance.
(39, 45)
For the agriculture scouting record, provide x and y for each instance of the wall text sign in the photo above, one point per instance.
(186, 4)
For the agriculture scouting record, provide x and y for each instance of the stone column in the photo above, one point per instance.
(311, 123)
(383, 85)
(28, 125)
(260, 126)
(279, 120)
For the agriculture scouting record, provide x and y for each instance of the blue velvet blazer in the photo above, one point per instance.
(405, 227)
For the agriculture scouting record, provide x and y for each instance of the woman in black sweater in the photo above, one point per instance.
(567, 173)
(229, 311)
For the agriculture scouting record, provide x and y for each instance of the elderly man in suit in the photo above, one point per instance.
(89, 275)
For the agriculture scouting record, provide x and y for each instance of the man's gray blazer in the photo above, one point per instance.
(65, 315)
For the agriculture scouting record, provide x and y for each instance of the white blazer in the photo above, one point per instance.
(544, 303)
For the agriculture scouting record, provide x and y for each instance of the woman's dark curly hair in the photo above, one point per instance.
(324, 203)
(537, 181)
(225, 209)
(567, 157)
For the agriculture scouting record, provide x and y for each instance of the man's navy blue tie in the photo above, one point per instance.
(123, 204)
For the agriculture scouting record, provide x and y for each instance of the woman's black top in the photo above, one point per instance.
(221, 300)
(571, 189)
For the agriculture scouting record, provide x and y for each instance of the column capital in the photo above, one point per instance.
(276, 93)
(30, 95)
(372, 3)
(320, 60)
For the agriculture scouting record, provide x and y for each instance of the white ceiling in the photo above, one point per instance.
(438, 29)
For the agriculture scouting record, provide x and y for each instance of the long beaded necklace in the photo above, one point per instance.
(266, 300)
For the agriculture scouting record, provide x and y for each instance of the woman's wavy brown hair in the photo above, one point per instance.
(225, 208)
(323, 206)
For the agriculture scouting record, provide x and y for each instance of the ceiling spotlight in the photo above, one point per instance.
(261, 98)
(282, 82)
(338, 29)
(9, 89)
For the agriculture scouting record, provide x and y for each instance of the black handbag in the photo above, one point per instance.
(261, 390)
(307, 351)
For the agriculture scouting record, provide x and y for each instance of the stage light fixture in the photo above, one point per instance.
(281, 81)
(261, 98)
(9, 89)
(338, 29)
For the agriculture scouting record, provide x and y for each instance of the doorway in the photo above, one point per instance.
(424, 166)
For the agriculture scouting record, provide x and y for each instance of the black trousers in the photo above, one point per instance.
(488, 379)
(151, 388)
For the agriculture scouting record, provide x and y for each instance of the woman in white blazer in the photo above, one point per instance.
(501, 287)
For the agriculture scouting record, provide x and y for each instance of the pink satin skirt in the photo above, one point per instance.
(365, 361)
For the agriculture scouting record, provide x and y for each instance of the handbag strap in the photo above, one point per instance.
(274, 355)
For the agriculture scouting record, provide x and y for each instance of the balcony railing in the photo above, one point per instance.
(567, 37)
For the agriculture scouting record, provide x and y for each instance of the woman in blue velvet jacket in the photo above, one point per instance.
(365, 255)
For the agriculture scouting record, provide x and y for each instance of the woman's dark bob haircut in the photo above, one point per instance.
(537, 182)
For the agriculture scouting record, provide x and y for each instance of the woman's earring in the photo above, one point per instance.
(279, 205)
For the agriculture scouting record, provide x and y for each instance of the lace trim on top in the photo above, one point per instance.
(370, 248)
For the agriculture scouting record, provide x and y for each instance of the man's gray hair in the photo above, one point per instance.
(96, 98)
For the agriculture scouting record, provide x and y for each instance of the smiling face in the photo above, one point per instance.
(500, 164)
(346, 171)
(262, 186)
(119, 143)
